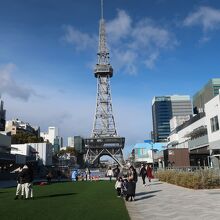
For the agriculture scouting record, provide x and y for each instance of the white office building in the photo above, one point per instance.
(212, 109)
(43, 151)
(70, 142)
(51, 135)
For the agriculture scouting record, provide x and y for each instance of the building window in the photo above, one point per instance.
(214, 124)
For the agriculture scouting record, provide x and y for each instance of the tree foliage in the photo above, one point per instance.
(69, 150)
(23, 137)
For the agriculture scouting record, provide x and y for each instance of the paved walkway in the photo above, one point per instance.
(162, 201)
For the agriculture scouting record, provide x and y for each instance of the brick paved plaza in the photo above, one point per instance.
(163, 201)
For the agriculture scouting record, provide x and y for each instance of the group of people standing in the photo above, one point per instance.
(146, 171)
(24, 183)
(126, 186)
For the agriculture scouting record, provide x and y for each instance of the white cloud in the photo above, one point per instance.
(146, 34)
(206, 17)
(125, 60)
(80, 40)
(131, 43)
(150, 61)
(119, 27)
(134, 43)
(10, 86)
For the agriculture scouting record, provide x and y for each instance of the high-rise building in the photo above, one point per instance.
(51, 135)
(70, 142)
(163, 109)
(210, 90)
(2, 115)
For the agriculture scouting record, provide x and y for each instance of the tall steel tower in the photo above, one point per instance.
(104, 139)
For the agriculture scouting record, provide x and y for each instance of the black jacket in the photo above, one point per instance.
(143, 171)
(27, 176)
(19, 178)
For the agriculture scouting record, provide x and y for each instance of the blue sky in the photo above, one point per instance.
(157, 47)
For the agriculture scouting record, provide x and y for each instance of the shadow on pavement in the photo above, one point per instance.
(144, 197)
(156, 184)
(146, 193)
(55, 195)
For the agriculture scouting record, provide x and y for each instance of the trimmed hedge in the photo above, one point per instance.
(200, 179)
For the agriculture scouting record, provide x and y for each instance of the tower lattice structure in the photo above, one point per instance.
(104, 139)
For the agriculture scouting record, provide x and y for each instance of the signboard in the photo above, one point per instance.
(148, 141)
(143, 155)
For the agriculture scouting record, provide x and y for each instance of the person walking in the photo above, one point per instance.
(143, 173)
(110, 173)
(20, 186)
(149, 173)
(116, 172)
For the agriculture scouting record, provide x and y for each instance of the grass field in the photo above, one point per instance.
(79, 201)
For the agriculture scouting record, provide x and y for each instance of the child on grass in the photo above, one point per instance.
(118, 185)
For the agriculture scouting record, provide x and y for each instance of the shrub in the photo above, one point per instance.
(200, 179)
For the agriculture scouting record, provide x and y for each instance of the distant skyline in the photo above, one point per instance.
(157, 47)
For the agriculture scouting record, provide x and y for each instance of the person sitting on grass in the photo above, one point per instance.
(118, 185)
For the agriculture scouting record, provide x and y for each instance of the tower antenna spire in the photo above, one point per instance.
(104, 139)
(102, 10)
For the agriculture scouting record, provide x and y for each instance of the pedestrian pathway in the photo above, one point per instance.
(163, 201)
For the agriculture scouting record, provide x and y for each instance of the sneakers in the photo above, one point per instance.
(16, 197)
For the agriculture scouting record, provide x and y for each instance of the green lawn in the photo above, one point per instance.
(81, 200)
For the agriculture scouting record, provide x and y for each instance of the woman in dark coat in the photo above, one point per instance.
(131, 186)
(143, 173)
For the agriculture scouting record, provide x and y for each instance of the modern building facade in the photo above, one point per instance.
(70, 141)
(212, 109)
(192, 136)
(43, 152)
(163, 109)
(210, 90)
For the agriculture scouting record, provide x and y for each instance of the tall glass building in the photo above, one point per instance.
(163, 109)
(2, 115)
(209, 91)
